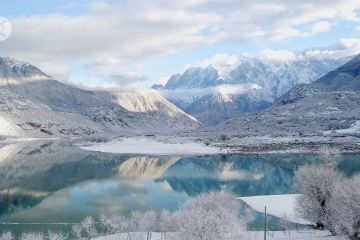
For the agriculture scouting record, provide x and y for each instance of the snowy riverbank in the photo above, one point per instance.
(281, 206)
(142, 145)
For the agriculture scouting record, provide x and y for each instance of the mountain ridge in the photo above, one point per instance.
(195, 90)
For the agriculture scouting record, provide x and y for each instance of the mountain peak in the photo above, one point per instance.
(352, 67)
(11, 68)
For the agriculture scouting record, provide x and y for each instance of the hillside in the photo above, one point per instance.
(34, 104)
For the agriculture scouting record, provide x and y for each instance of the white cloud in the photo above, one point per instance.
(283, 34)
(109, 34)
(282, 55)
(187, 95)
(346, 47)
(220, 59)
(114, 81)
(163, 80)
(224, 63)
(319, 27)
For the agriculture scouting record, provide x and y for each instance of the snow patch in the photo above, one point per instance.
(355, 128)
(150, 146)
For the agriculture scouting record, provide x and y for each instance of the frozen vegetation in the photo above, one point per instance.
(208, 216)
(328, 199)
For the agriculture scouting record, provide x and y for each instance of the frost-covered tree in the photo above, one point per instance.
(89, 227)
(329, 155)
(316, 186)
(345, 206)
(211, 216)
(149, 223)
(86, 229)
(6, 236)
(114, 224)
(56, 236)
(135, 221)
(249, 216)
(77, 231)
(32, 236)
(168, 222)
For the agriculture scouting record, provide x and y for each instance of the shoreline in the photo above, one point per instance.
(188, 145)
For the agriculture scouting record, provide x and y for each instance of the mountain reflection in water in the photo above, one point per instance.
(55, 181)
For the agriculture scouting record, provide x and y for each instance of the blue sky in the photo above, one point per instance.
(134, 43)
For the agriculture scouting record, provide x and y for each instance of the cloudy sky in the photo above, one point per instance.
(131, 43)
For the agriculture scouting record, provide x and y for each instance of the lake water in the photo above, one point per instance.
(47, 182)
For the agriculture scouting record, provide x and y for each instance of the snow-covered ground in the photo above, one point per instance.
(281, 206)
(354, 128)
(253, 235)
(143, 145)
(294, 235)
(29, 139)
(138, 236)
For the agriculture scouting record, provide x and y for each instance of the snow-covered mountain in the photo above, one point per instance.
(34, 104)
(273, 75)
(13, 71)
(328, 106)
(198, 89)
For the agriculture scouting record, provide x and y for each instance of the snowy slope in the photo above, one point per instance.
(33, 104)
(149, 101)
(145, 109)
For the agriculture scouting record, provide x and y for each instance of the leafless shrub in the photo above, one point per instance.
(56, 236)
(86, 229)
(32, 236)
(6, 236)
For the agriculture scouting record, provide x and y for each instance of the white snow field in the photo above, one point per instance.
(151, 146)
(281, 206)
